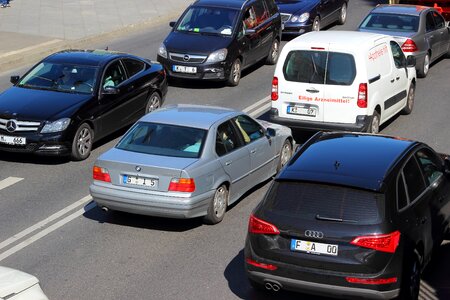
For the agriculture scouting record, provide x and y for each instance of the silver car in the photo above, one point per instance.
(189, 161)
(421, 31)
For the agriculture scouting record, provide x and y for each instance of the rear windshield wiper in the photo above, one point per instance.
(319, 217)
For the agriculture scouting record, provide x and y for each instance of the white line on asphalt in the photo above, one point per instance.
(46, 231)
(260, 110)
(9, 181)
(255, 105)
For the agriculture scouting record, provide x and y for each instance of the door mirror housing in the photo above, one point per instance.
(411, 61)
(172, 23)
(270, 132)
(110, 90)
(14, 79)
(249, 31)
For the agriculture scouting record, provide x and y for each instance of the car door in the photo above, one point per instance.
(234, 158)
(326, 10)
(249, 39)
(442, 33)
(261, 148)
(264, 28)
(432, 35)
(138, 84)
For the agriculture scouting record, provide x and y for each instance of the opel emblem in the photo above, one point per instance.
(138, 168)
(186, 57)
(313, 234)
(11, 125)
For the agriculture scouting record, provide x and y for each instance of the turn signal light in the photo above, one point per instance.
(409, 46)
(258, 226)
(261, 265)
(186, 185)
(380, 242)
(274, 94)
(371, 281)
(362, 95)
(101, 174)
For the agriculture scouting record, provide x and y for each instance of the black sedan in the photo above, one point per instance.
(351, 215)
(72, 98)
(300, 16)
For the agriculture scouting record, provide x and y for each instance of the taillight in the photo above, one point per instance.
(362, 95)
(379, 242)
(258, 226)
(101, 174)
(261, 265)
(182, 185)
(409, 46)
(371, 281)
(274, 94)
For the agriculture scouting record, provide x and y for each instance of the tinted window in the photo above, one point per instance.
(260, 12)
(402, 199)
(213, 20)
(397, 55)
(249, 129)
(430, 164)
(311, 201)
(133, 66)
(388, 22)
(272, 7)
(430, 22)
(414, 179)
(250, 18)
(114, 75)
(165, 140)
(226, 139)
(440, 23)
(320, 67)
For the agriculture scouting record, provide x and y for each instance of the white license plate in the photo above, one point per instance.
(302, 110)
(184, 69)
(140, 181)
(13, 140)
(314, 247)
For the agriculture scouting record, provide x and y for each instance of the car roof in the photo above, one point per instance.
(84, 57)
(350, 159)
(197, 116)
(337, 37)
(236, 4)
(400, 9)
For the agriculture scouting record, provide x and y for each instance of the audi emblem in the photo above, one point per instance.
(138, 168)
(314, 234)
(11, 125)
(186, 57)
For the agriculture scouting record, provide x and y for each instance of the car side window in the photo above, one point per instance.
(249, 129)
(114, 75)
(133, 66)
(430, 164)
(415, 183)
(271, 7)
(402, 199)
(226, 139)
(249, 18)
(397, 54)
(430, 26)
(261, 13)
(439, 20)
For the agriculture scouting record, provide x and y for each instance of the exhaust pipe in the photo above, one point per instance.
(272, 286)
(105, 209)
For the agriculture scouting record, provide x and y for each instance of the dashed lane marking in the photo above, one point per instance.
(9, 181)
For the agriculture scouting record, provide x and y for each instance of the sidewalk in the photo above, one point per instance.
(31, 29)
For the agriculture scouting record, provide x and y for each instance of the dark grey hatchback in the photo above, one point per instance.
(351, 215)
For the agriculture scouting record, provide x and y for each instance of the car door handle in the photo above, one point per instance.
(227, 163)
(253, 151)
(312, 90)
(130, 88)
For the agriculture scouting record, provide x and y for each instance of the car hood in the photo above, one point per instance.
(194, 43)
(295, 6)
(14, 281)
(37, 105)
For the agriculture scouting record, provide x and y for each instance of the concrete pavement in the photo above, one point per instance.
(31, 29)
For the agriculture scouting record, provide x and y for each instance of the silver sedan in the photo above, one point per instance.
(189, 161)
(421, 31)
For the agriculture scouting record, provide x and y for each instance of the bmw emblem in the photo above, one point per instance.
(11, 125)
(186, 57)
(138, 168)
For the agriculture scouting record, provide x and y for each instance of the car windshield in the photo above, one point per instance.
(208, 20)
(390, 22)
(164, 140)
(61, 77)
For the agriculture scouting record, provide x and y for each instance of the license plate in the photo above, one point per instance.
(314, 247)
(12, 140)
(184, 69)
(302, 110)
(140, 181)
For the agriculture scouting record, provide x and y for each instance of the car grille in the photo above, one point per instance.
(187, 58)
(22, 126)
(285, 17)
(32, 147)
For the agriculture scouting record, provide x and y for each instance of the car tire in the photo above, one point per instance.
(316, 24)
(82, 142)
(343, 14)
(423, 71)
(410, 282)
(285, 154)
(374, 126)
(235, 73)
(154, 102)
(410, 100)
(218, 206)
(274, 52)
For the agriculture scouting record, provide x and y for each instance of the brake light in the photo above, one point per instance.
(409, 46)
(261, 265)
(362, 95)
(371, 281)
(101, 174)
(182, 185)
(380, 242)
(258, 226)
(274, 94)
(317, 48)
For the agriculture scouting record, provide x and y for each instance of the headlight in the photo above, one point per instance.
(162, 50)
(301, 19)
(216, 56)
(57, 126)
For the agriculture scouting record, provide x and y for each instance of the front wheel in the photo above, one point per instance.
(316, 24)
(343, 14)
(218, 206)
(82, 142)
(410, 100)
(374, 126)
(235, 73)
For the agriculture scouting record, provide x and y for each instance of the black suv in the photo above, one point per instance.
(217, 39)
(351, 215)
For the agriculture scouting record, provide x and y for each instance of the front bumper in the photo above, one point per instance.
(290, 28)
(42, 144)
(149, 203)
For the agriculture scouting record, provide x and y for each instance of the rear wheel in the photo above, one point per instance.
(423, 71)
(235, 73)
(410, 284)
(218, 206)
(343, 14)
(374, 126)
(82, 142)
(153, 102)
(273, 54)
(410, 100)
(316, 24)
(285, 154)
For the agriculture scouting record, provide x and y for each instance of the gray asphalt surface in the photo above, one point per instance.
(122, 256)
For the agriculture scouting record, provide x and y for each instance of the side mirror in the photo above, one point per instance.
(14, 79)
(172, 23)
(270, 132)
(410, 61)
(110, 90)
(249, 31)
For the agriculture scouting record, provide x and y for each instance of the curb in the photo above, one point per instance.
(33, 54)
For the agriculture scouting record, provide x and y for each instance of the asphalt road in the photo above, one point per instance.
(79, 252)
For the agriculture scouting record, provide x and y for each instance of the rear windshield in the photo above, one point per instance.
(163, 139)
(390, 22)
(310, 201)
(320, 67)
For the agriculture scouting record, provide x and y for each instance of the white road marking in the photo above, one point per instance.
(9, 181)
(257, 104)
(261, 110)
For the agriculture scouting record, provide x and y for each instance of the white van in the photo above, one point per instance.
(342, 80)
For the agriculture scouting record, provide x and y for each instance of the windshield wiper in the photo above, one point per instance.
(318, 217)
